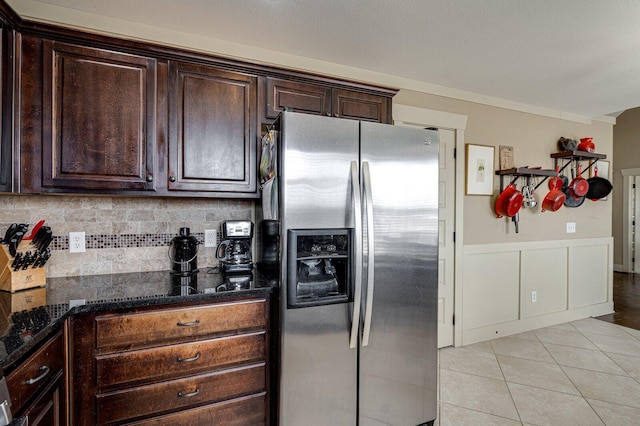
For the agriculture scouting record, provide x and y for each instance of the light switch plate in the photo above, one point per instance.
(571, 227)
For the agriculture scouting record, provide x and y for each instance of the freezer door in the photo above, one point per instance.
(318, 374)
(398, 365)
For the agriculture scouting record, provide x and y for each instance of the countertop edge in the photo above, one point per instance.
(9, 362)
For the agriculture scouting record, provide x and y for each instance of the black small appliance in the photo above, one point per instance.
(234, 251)
(270, 242)
(183, 252)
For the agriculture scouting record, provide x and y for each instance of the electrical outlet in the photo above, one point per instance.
(534, 296)
(77, 302)
(571, 227)
(210, 237)
(76, 242)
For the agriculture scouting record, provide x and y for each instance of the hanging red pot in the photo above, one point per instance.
(556, 182)
(553, 200)
(579, 186)
(509, 201)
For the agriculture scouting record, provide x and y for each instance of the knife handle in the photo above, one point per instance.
(35, 230)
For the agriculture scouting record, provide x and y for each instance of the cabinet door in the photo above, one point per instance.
(212, 142)
(301, 97)
(6, 135)
(48, 409)
(361, 106)
(98, 119)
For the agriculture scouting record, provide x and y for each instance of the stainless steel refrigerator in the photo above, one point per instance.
(358, 217)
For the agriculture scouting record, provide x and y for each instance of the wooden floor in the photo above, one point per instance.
(626, 301)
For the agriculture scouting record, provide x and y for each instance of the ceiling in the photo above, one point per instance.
(577, 56)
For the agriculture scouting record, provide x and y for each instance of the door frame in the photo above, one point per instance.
(409, 115)
(628, 212)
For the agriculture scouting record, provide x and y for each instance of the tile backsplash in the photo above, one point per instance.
(122, 234)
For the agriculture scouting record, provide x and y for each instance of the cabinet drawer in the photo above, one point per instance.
(249, 411)
(178, 394)
(148, 328)
(36, 372)
(179, 360)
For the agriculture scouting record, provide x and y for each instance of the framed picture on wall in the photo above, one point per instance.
(479, 169)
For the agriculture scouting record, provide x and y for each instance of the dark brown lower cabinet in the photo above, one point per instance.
(48, 408)
(189, 364)
(37, 384)
(238, 412)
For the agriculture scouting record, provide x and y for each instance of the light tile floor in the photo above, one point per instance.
(585, 372)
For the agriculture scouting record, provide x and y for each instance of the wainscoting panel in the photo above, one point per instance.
(572, 279)
(543, 271)
(491, 292)
(588, 265)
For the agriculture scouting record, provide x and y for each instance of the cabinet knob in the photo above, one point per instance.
(149, 178)
(172, 178)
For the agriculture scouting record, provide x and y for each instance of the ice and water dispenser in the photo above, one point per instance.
(319, 267)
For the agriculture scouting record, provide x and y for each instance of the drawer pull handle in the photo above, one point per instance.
(45, 370)
(188, 324)
(189, 394)
(193, 358)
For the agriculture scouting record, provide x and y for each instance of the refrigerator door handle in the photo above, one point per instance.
(357, 214)
(368, 310)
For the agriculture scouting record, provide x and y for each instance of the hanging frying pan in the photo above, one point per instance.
(570, 200)
(579, 185)
(598, 187)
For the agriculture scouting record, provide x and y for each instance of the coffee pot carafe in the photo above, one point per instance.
(183, 253)
(234, 251)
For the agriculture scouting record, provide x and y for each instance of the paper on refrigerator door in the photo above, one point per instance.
(270, 199)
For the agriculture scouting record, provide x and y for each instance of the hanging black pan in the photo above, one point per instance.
(598, 187)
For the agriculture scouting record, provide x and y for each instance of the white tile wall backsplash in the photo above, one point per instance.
(109, 216)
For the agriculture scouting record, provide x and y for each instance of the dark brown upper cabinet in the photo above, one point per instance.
(6, 96)
(99, 119)
(361, 106)
(212, 141)
(101, 115)
(320, 99)
(300, 97)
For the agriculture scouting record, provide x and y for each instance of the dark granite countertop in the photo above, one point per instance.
(65, 297)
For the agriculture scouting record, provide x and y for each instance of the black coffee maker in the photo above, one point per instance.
(234, 251)
(183, 252)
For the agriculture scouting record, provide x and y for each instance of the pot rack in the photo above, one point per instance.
(564, 157)
(567, 157)
(528, 173)
(524, 172)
